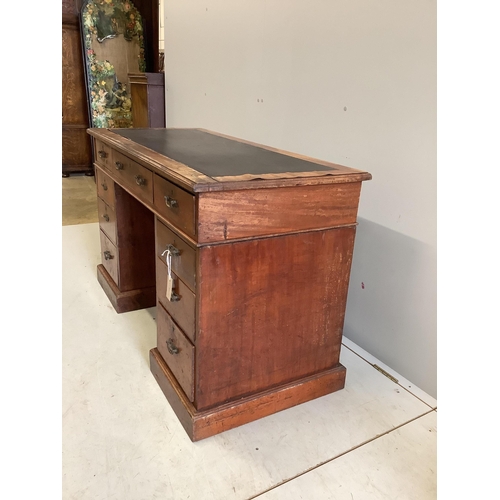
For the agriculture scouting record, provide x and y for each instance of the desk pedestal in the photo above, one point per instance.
(132, 300)
(203, 424)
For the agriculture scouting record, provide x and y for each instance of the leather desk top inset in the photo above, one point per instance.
(217, 156)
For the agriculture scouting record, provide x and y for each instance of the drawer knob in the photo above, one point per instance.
(173, 250)
(175, 297)
(139, 180)
(107, 255)
(170, 202)
(104, 186)
(119, 165)
(102, 154)
(171, 347)
(106, 217)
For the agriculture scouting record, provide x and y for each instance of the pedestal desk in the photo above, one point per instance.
(245, 251)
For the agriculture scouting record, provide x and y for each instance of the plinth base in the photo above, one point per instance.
(203, 424)
(125, 301)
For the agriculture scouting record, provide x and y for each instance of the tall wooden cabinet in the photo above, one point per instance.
(76, 143)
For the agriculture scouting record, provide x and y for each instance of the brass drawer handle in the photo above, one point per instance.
(106, 217)
(139, 180)
(171, 347)
(102, 154)
(107, 255)
(170, 202)
(173, 250)
(104, 186)
(119, 165)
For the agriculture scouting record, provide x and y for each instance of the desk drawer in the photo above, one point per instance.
(109, 257)
(107, 219)
(181, 310)
(175, 204)
(105, 187)
(183, 256)
(138, 179)
(103, 154)
(176, 350)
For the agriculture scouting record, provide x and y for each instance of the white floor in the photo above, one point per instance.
(376, 439)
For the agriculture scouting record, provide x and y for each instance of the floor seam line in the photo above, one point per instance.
(339, 455)
(397, 383)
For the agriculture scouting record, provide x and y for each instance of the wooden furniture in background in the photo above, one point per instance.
(258, 243)
(76, 144)
(149, 10)
(147, 91)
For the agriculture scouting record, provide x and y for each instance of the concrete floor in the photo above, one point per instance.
(79, 200)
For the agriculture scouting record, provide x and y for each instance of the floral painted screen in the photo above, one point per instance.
(113, 48)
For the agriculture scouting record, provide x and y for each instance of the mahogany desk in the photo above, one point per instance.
(256, 244)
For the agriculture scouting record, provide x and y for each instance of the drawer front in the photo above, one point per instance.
(183, 257)
(182, 310)
(105, 187)
(103, 154)
(176, 350)
(109, 257)
(107, 219)
(138, 179)
(175, 204)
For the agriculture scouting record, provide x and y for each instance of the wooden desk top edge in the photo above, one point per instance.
(195, 181)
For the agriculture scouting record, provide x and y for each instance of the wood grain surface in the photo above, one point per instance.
(180, 357)
(241, 214)
(270, 311)
(202, 424)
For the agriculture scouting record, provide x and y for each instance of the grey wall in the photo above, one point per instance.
(348, 81)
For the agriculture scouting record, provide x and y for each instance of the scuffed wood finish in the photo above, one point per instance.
(202, 424)
(105, 187)
(103, 154)
(125, 301)
(176, 350)
(184, 264)
(107, 219)
(138, 179)
(182, 310)
(232, 215)
(261, 266)
(109, 257)
(196, 182)
(176, 172)
(175, 205)
(270, 311)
